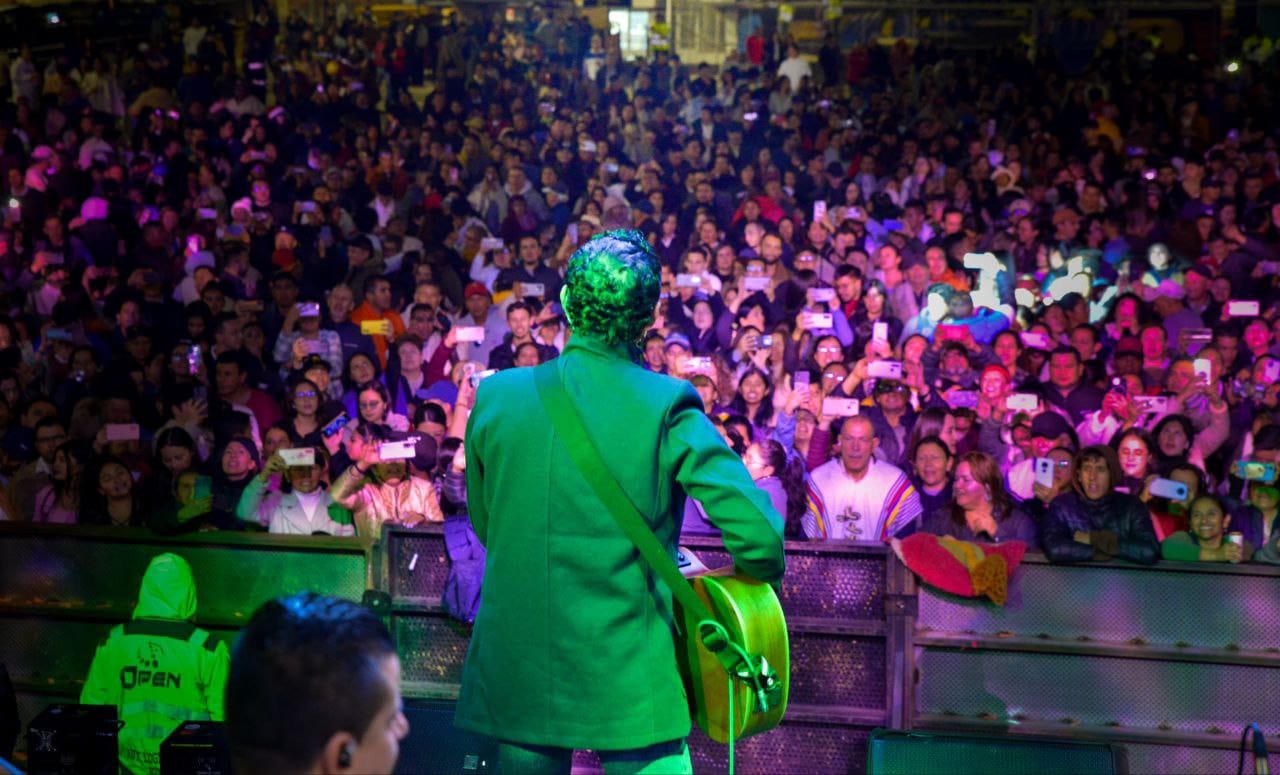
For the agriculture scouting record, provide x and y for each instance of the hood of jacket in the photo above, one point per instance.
(168, 590)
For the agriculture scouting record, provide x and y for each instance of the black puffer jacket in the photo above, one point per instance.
(1118, 513)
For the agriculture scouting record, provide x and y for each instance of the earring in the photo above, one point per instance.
(344, 757)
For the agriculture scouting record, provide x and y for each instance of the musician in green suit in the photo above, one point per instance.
(573, 644)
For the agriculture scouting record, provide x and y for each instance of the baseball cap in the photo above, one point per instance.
(673, 339)
(476, 289)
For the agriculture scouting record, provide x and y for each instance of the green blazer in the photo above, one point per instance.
(572, 646)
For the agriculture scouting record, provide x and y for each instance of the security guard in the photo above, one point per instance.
(159, 669)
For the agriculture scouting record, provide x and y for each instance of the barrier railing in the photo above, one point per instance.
(62, 589)
(1170, 660)
(848, 609)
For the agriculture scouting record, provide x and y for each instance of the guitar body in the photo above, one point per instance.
(752, 615)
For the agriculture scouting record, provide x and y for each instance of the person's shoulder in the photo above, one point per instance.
(826, 470)
(887, 469)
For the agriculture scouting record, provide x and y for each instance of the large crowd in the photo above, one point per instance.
(970, 293)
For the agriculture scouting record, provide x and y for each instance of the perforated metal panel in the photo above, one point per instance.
(791, 748)
(431, 648)
(1156, 605)
(1123, 693)
(430, 568)
(837, 670)
(834, 586)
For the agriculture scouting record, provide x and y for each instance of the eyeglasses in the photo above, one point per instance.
(829, 349)
(370, 404)
(305, 394)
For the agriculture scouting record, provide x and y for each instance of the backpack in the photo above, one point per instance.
(461, 597)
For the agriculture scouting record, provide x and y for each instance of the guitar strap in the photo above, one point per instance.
(578, 443)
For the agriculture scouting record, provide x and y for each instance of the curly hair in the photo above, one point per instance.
(611, 287)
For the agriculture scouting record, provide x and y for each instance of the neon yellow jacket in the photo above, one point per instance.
(158, 669)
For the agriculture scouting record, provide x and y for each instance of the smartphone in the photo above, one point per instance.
(1043, 467)
(840, 407)
(398, 450)
(1243, 309)
(822, 295)
(1168, 488)
(302, 456)
(963, 399)
(819, 211)
(764, 342)
(470, 333)
(58, 335)
(122, 431)
(1254, 471)
(481, 376)
(335, 425)
(1151, 404)
(1022, 402)
(571, 231)
(816, 320)
(688, 281)
(884, 370)
(751, 116)
(533, 289)
(1269, 267)
(699, 363)
(307, 207)
(801, 379)
(1201, 366)
(313, 346)
(951, 333)
(1036, 340)
(375, 327)
(880, 332)
(207, 214)
(753, 284)
(309, 309)
(193, 360)
(491, 243)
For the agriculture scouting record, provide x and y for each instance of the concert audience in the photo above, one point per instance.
(203, 267)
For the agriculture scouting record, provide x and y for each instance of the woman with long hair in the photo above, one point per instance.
(1136, 451)
(303, 423)
(755, 401)
(980, 508)
(782, 477)
(374, 404)
(59, 501)
(108, 495)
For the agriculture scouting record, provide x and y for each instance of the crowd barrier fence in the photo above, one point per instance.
(1170, 660)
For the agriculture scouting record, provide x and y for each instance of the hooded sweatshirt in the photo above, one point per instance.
(159, 669)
